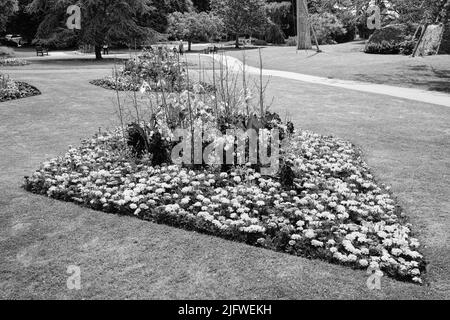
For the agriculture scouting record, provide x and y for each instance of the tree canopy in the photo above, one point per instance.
(241, 17)
(192, 26)
(103, 21)
(9, 7)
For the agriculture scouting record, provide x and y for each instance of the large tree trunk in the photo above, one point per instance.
(237, 41)
(189, 46)
(303, 27)
(98, 52)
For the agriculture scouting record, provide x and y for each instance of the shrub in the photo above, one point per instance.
(349, 23)
(383, 47)
(6, 52)
(274, 34)
(327, 27)
(62, 39)
(291, 42)
(407, 46)
(392, 39)
(259, 42)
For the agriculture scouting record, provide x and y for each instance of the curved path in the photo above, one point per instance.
(433, 97)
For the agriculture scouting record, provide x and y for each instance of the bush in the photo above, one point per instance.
(392, 39)
(291, 42)
(407, 46)
(274, 34)
(327, 27)
(392, 47)
(258, 42)
(349, 24)
(6, 52)
(62, 39)
(384, 47)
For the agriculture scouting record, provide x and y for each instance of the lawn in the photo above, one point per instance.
(406, 143)
(346, 61)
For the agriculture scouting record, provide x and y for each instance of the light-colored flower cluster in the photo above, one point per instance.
(13, 62)
(119, 83)
(335, 211)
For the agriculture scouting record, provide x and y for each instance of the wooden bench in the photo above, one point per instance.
(41, 51)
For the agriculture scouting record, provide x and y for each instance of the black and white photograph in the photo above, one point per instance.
(225, 155)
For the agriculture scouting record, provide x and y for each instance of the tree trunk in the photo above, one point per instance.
(98, 53)
(189, 46)
(237, 41)
(303, 27)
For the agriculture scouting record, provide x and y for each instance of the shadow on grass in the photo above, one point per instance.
(81, 61)
(425, 77)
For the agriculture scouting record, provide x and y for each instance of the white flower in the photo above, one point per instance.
(415, 272)
(316, 243)
(363, 263)
(309, 233)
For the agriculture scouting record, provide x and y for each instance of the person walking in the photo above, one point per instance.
(181, 47)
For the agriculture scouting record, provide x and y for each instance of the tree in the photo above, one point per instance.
(103, 21)
(241, 17)
(192, 26)
(277, 12)
(9, 7)
(157, 19)
(423, 10)
(327, 27)
(303, 26)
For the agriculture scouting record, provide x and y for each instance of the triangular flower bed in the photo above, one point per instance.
(336, 212)
(11, 90)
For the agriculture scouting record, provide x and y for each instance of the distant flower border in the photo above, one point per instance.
(13, 62)
(125, 83)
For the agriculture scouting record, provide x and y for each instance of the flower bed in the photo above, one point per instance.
(126, 83)
(10, 89)
(122, 83)
(13, 62)
(334, 211)
(156, 70)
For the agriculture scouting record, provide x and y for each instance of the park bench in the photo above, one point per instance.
(41, 51)
(213, 49)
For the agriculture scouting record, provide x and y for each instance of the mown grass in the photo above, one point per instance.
(346, 61)
(406, 143)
